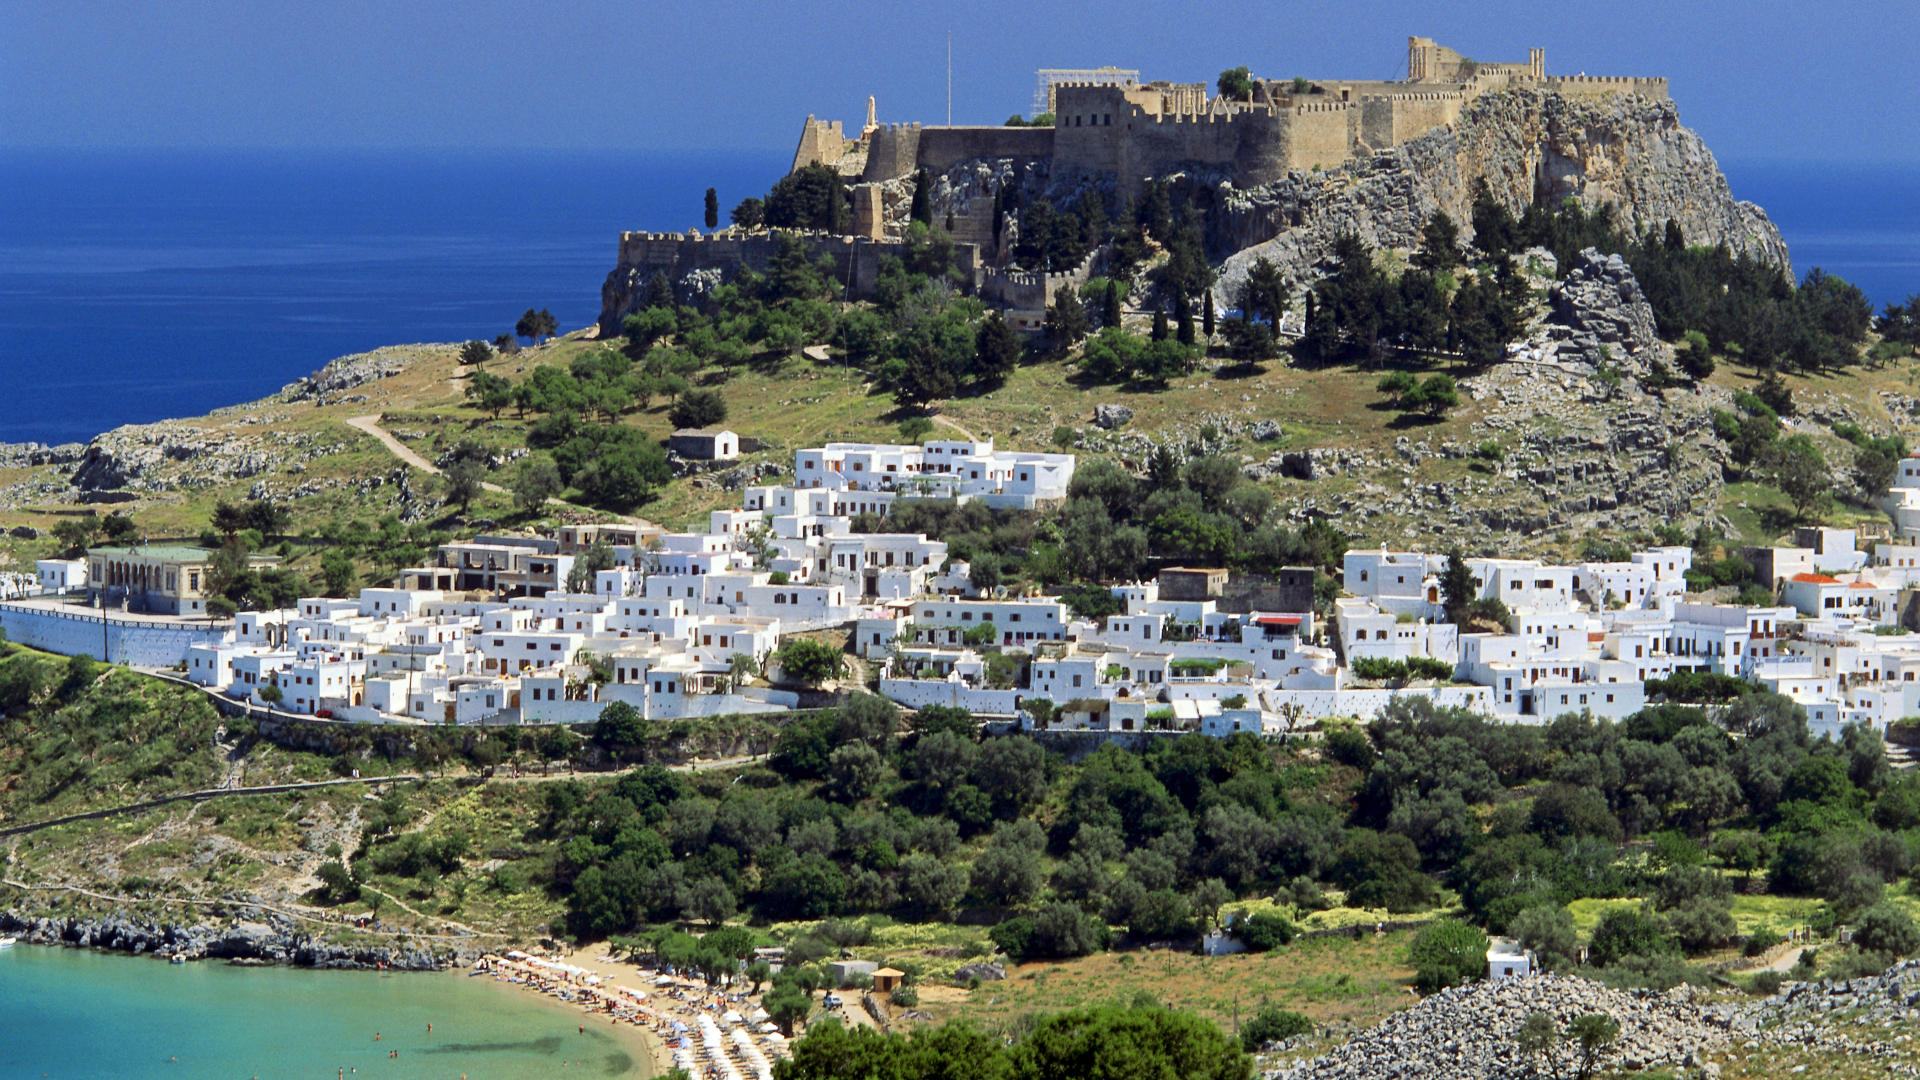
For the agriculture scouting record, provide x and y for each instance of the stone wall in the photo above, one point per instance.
(1024, 290)
(1318, 134)
(1593, 86)
(893, 150)
(1391, 119)
(920, 693)
(941, 148)
(821, 143)
(126, 641)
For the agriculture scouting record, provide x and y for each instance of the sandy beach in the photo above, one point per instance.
(639, 1042)
(667, 1019)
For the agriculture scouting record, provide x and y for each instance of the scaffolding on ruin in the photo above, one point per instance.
(1048, 78)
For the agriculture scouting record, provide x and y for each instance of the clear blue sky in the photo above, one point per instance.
(1759, 78)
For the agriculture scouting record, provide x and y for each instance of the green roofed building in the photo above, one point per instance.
(169, 579)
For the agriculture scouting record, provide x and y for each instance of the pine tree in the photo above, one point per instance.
(997, 349)
(1439, 244)
(713, 209)
(1066, 320)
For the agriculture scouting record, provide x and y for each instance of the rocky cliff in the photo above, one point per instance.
(274, 939)
(1529, 145)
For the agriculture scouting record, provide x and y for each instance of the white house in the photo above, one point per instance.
(1506, 959)
(61, 575)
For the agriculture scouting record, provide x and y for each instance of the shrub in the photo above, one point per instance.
(1348, 745)
(1014, 936)
(1762, 939)
(906, 997)
(1273, 1024)
(1767, 983)
(1266, 931)
(1625, 932)
(1884, 928)
(1448, 952)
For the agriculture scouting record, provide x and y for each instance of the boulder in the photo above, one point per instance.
(985, 971)
(1111, 416)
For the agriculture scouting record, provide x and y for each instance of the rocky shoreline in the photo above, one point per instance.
(275, 940)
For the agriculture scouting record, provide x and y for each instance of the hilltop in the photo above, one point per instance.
(1587, 414)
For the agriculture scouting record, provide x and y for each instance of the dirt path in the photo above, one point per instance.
(196, 797)
(371, 425)
(946, 423)
(1782, 963)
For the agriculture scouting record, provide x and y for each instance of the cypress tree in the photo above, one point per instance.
(1206, 315)
(713, 209)
(1183, 318)
(921, 209)
(1110, 313)
(1160, 329)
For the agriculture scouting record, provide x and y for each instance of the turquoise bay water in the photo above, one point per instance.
(70, 1015)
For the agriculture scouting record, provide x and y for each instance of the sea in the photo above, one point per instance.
(139, 285)
(72, 1015)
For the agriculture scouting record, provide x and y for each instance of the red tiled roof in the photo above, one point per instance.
(1816, 579)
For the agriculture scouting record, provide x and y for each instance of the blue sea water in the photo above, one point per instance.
(68, 1015)
(137, 285)
(1858, 221)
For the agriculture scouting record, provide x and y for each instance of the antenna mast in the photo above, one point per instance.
(949, 78)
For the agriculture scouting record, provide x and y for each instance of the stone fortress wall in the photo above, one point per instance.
(1133, 130)
(1114, 126)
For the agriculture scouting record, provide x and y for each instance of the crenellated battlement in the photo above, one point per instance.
(1428, 95)
(1607, 85)
(1108, 121)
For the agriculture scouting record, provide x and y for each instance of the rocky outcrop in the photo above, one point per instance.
(326, 386)
(274, 939)
(1529, 144)
(1889, 1000)
(31, 454)
(1470, 1032)
(172, 455)
(1108, 417)
(1601, 318)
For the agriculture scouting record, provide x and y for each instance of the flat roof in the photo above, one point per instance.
(168, 552)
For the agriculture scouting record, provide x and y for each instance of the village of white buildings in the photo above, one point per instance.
(512, 630)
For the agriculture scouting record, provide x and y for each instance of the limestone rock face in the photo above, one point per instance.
(1111, 416)
(174, 455)
(326, 385)
(1528, 144)
(1601, 317)
(269, 938)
